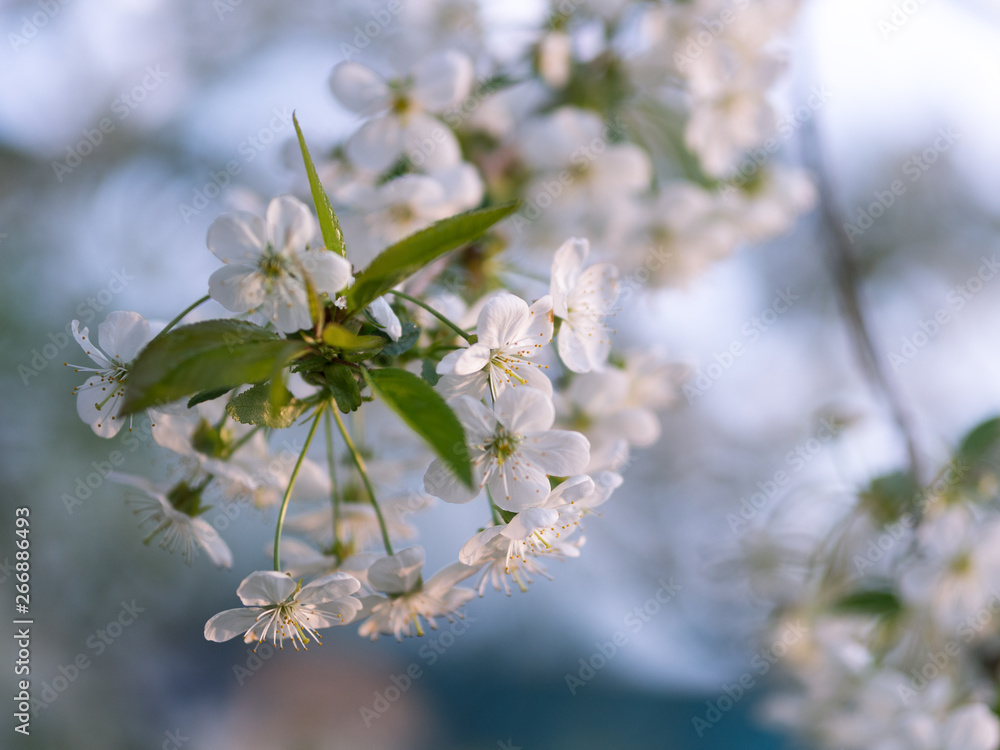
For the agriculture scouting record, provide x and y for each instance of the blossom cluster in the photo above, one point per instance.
(901, 600)
(443, 273)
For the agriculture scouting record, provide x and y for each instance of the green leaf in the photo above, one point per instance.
(338, 337)
(428, 371)
(412, 253)
(980, 442)
(879, 602)
(344, 387)
(204, 356)
(329, 224)
(423, 409)
(210, 395)
(411, 332)
(254, 406)
(890, 496)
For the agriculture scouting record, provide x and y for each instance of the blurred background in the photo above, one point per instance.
(185, 87)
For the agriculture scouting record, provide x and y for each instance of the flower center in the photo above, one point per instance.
(503, 445)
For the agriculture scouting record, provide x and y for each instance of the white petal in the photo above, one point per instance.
(463, 187)
(479, 422)
(359, 88)
(213, 544)
(429, 143)
(231, 623)
(518, 485)
(481, 546)
(340, 611)
(573, 490)
(377, 144)
(583, 351)
(329, 272)
(623, 169)
(386, 318)
(442, 80)
(238, 287)
(237, 237)
(471, 359)
(399, 573)
(525, 410)
(122, 335)
(264, 587)
(328, 588)
(503, 319)
(290, 224)
(88, 346)
(527, 522)
(440, 481)
(102, 417)
(972, 727)
(566, 267)
(560, 453)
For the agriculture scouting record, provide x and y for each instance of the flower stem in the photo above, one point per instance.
(360, 463)
(183, 312)
(435, 313)
(332, 463)
(291, 484)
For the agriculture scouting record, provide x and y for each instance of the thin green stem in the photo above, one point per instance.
(497, 518)
(291, 484)
(435, 313)
(360, 463)
(332, 464)
(183, 312)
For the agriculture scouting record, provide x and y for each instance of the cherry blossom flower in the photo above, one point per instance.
(277, 607)
(409, 598)
(268, 262)
(402, 121)
(510, 336)
(581, 298)
(122, 336)
(173, 513)
(513, 451)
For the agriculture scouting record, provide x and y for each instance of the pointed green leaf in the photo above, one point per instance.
(877, 602)
(212, 354)
(423, 409)
(210, 395)
(340, 338)
(329, 224)
(254, 406)
(410, 254)
(344, 387)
